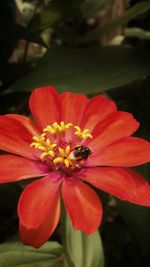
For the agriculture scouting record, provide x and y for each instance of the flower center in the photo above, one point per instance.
(61, 146)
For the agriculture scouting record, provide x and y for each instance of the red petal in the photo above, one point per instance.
(118, 126)
(15, 138)
(27, 122)
(72, 107)
(122, 183)
(128, 152)
(37, 201)
(83, 206)
(14, 168)
(37, 237)
(98, 109)
(142, 189)
(115, 181)
(44, 105)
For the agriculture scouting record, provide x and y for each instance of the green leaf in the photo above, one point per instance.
(135, 32)
(16, 254)
(95, 8)
(132, 13)
(85, 250)
(45, 19)
(56, 11)
(88, 70)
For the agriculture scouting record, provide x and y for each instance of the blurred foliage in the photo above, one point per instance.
(50, 255)
(61, 47)
(85, 251)
(124, 18)
(88, 70)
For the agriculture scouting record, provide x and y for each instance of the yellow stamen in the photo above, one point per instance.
(42, 148)
(51, 153)
(67, 162)
(57, 128)
(63, 156)
(43, 155)
(82, 134)
(34, 144)
(64, 127)
(77, 128)
(58, 160)
(61, 152)
(67, 150)
(49, 129)
(44, 144)
(47, 143)
(47, 153)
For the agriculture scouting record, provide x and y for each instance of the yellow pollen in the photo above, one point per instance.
(42, 148)
(47, 153)
(67, 150)
(64, 152)
(67, 162)
(58, 160)
(44, 144)
(40, 138)
(82, 134)
(54, 147)
(56, 128)
(61, 152)
(43, 155)
(63, 156)
(64, 127)
(49, 129)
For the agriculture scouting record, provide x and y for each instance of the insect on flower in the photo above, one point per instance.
(80, 153)
(67, 149)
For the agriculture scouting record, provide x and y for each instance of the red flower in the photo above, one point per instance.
(73, 141)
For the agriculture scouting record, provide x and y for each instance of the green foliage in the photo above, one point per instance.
(56, 11)
(45, 19)
(133, 12)
(95, 8)
(16, 254)
(78, 67)
(88, 70)
(85, 251)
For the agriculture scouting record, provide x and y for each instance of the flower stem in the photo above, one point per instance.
(64, 236)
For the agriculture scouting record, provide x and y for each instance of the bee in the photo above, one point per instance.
(80, 152)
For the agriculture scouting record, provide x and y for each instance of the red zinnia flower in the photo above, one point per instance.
(73, 141)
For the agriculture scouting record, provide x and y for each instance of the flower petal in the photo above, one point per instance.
(83, 205)
(128, 152)
(14, 168)
(119, 182)
(117, 126)
(72, 107)
(27, 122)
(44, 105)
(38, 236)
(37, 201)
(15, 138)
(142, 189)
(115, 181)
(98, 109)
